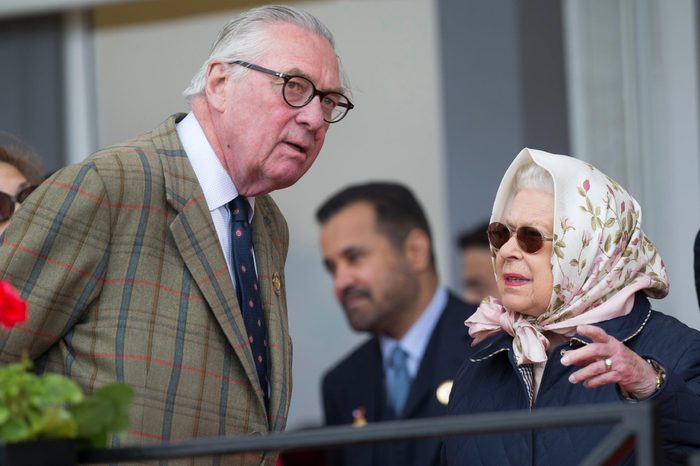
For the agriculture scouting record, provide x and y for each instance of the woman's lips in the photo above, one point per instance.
(515, 280)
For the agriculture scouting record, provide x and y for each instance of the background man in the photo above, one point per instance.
(377, 245)
(478, 278)
(137, 263)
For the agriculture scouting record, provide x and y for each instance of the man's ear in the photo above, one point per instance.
(216, 78)
(417, 250)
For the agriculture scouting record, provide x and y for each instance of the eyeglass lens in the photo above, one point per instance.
(7, 202)
(299, 91)
(529, 238)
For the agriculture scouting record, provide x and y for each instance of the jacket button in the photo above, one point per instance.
(562, 352)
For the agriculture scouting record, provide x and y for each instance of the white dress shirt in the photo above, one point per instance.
(216, 183)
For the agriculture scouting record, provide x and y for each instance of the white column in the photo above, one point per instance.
(80, 117)
(632, 83)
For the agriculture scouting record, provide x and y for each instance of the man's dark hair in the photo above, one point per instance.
(396, 208)
(475, 237)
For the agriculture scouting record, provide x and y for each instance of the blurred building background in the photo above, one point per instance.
(447, 92)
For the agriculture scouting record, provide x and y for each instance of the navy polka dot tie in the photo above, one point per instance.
(248, 288)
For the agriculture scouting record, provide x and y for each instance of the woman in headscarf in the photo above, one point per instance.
(574, 325)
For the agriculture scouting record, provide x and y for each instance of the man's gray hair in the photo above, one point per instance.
(245, 38)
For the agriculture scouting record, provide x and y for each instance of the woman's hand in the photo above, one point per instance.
(607, 360)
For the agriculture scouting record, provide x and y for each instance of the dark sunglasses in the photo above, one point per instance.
(7, 202)
(529, 239)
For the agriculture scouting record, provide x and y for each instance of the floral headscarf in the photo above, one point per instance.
(600, 257)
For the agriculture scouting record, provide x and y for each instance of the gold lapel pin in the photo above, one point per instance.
(358, 417)
(276, 283)
(443, 392)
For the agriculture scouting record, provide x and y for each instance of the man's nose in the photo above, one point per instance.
(342, 278)
(311, 114)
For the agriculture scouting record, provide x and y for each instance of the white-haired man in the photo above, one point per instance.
(137, 262)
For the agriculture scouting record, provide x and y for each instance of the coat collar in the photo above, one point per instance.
(622, 328)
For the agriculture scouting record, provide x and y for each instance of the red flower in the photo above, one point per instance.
(586, 185)
(622, 207)
(13, 309)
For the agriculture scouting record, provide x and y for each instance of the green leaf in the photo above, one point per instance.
(15, 430)
(581, 191)
(53, 406)
(608, 240)
(105, 411)
(573, 262)
(610, 222)
(56, 423)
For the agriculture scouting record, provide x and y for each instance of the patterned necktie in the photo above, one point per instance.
(398, 380)
(247, 288)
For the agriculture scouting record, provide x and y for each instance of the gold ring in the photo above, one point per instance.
(608, 364)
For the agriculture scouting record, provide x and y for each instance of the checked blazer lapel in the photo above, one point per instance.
(196, 239)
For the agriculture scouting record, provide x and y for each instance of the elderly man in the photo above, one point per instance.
(160, 262)
(377, 246)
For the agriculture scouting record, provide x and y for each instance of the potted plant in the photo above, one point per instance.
(43, 419)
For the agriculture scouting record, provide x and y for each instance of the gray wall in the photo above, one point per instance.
(503, 89)
(31, 104)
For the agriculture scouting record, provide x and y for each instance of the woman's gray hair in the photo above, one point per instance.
(534, 177)
(245, 38)
(530, 176)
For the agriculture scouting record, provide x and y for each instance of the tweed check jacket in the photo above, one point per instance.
(126, 281)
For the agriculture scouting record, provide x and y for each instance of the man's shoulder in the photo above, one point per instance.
(146, 158)
(358, 360)
(456, 310)
(450, 333)
(161, 141)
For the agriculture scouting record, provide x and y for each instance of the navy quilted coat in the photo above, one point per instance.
(489, 382)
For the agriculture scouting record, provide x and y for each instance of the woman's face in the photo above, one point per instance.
(11, 182)
(525, 280)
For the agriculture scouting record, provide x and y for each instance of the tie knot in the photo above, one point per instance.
(398, 358)
(239, 209)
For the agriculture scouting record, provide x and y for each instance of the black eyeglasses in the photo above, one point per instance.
(529, 239)
(298, 91)
(7, 202)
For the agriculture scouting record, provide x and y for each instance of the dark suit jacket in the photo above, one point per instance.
(125, 278)
(356, 385)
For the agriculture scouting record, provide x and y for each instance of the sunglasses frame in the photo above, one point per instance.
(19, 198)
(521, 236)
